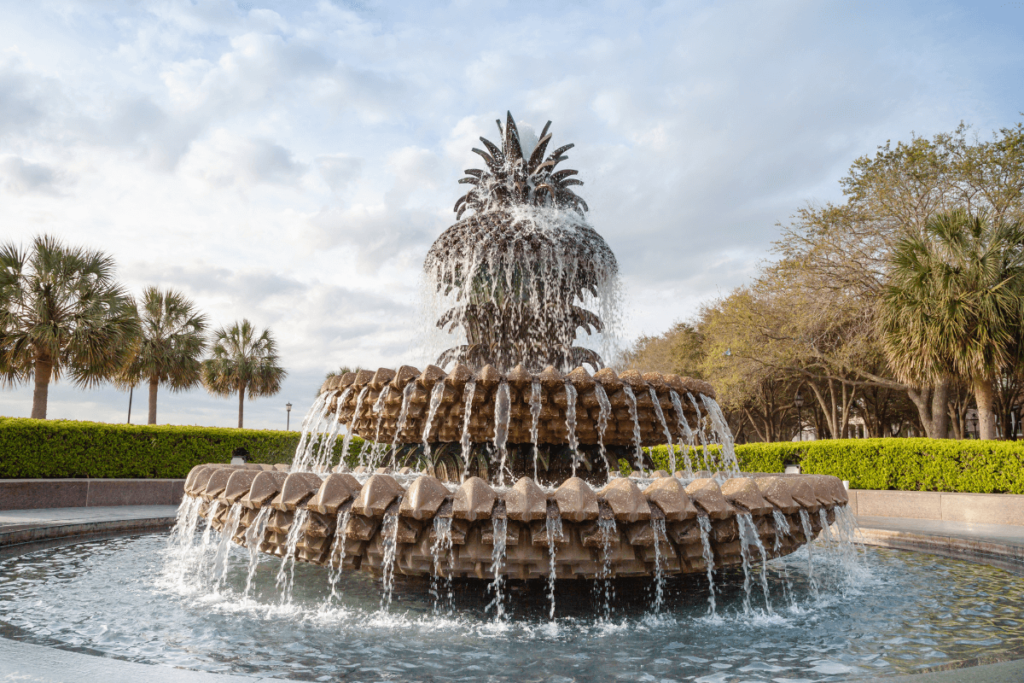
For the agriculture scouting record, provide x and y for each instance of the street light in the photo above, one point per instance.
(288, 417)
(798, 401)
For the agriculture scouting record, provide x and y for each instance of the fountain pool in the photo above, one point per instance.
(879, 613)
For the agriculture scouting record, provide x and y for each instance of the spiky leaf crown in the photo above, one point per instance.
(512, 179)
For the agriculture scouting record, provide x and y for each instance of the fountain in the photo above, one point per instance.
(443, 545)
(513, 450)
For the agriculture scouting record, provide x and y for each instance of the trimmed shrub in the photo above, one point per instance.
(70, 449)
(887, 464)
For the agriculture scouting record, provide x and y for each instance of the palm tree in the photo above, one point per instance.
(170, 346)
(955, 304)
(243, 361)
(61, 312)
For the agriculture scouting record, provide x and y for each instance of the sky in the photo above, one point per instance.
(291, 162)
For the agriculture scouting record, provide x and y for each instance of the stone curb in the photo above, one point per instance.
(954, 546)
(45, 532)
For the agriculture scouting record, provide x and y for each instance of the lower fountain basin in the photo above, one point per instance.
(373, 523)
(877, 613)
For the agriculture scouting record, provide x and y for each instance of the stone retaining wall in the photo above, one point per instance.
(33, 494)
(974, 508)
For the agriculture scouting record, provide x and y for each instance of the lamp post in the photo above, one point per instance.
(288, 417)
(798, 401)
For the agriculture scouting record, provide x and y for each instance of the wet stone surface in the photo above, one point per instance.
(880, 613)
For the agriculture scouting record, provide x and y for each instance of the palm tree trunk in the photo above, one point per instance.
(154, 383)
(43, 372)
(984, 396)
(241, 404)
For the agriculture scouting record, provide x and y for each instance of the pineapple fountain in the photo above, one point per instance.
(501, 461)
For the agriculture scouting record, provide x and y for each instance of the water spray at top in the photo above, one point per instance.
(522, 272)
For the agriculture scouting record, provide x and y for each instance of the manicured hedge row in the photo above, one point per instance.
(892, 464)
(71, 449)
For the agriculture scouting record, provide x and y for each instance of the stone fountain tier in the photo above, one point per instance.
(339, 513)
(354, 395)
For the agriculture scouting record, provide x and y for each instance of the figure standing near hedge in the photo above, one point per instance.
(170, 347)
(243, 361)
(61, 312)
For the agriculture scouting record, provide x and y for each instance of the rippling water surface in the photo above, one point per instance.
(876, 613)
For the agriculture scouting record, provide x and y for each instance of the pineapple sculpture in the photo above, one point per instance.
(522, 272)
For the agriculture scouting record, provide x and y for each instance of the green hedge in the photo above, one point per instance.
(890, 464)
(71, 449)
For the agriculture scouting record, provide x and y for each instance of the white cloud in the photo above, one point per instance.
(21, 177)
(225, 160)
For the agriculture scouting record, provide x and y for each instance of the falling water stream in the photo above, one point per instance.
(664, 426)
(502, 406)
(554, 529)
(442, 547)
(435, 401)
(709, 558)
(708, 464)
(389, 541)
(466, 441)
(570, 424)
(535, 408)
(349, 433)
(500, 532)
(637, 442)
(684, 427)
(286, 572)
(336, 562)
(604, 411)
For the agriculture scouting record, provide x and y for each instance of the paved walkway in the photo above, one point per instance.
(28, 663)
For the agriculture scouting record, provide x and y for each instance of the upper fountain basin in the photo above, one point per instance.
(354, 396)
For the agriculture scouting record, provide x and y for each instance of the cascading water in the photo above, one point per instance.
(378, 410)
(805, 522)
(608, 530)
(466, 442)
(749, 537)
(781, 531)
(337, 557)
(185, 523)
(685, 429)
(349, 433)
(709, 558)
(721, 429)
(604, 410)
(502, 406)
(403, 417)
(442, 546)
(435, 400)
(227, 532)
(303, 453)
(570, 424)
(553, 524)
(708, 464)
(535, 409)
(658, 529)
(389, 538)
(500, 533)
(637, 442)
(664, 425)
(286, 572)
(253, 539)
(204, 544)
